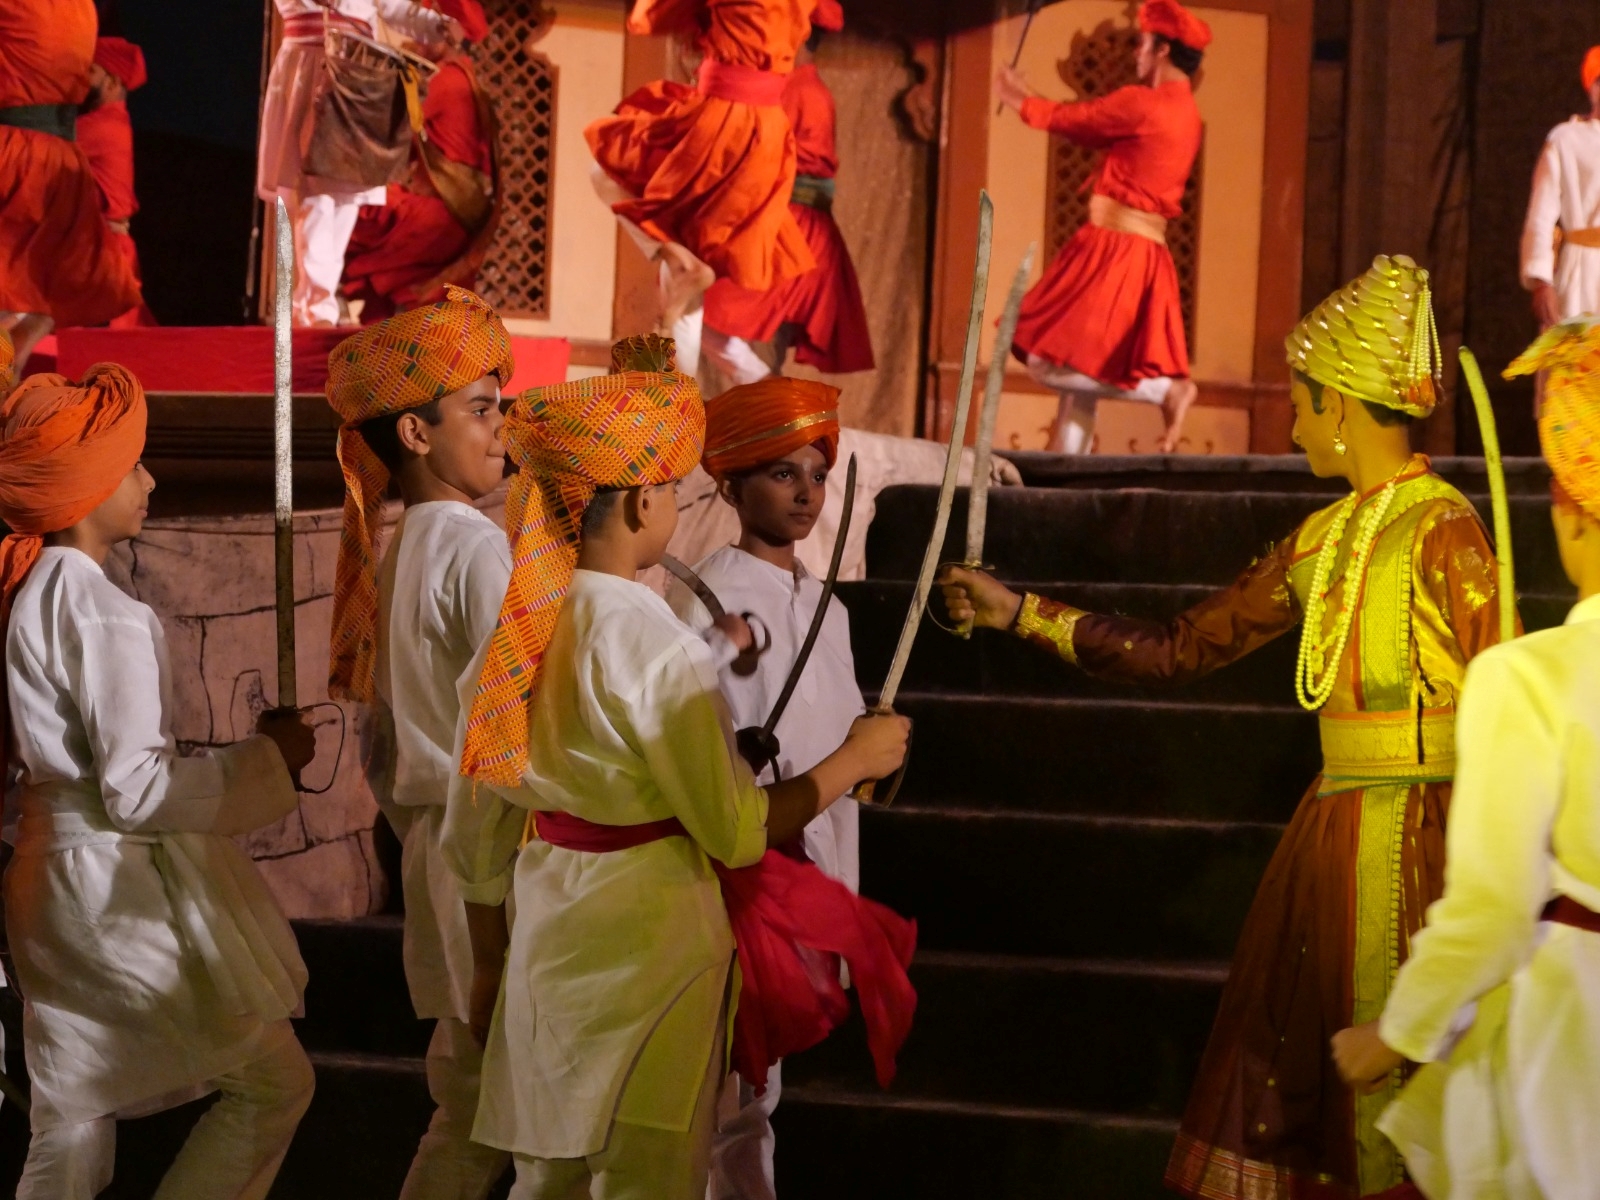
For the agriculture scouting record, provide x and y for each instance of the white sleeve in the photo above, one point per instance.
(1538, 228)
(682, 729)
(144, 783)
(1497, 872)
(691, 610)
(411, 19)
(481, 586)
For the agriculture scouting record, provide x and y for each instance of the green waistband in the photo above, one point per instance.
(59, 120)
(813, 191)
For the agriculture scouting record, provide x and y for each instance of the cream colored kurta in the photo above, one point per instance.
(1566, 191)
(440, 588)
(619, 962)
(1512, 1108)
(152, 957)
(826, 700)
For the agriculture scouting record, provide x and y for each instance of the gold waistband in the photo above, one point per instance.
(1389, 745)
(1578, 237)
(1113, 214)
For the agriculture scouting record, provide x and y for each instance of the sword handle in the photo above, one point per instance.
(881, 792)
(960, 629)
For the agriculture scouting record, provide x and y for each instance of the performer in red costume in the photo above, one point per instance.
(819, 313)
(1106, 319)
(702, 175)
(57, 260)
(106, 135)
(435, 228)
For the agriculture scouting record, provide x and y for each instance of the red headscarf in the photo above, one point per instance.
(468, 14)
(1169, 19)
(761, 422)
(122, 59)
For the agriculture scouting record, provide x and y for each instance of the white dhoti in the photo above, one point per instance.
(1080, 395)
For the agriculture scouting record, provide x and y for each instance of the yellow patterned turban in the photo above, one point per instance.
(409, 360)
(1374, 339)
(1569, 425)
(643, 425)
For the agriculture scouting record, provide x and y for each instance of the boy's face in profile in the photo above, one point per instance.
(780, 501)
(464, 449)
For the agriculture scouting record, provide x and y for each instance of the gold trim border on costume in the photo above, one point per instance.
(1392, 745)
(1056, 630)
(768, 435)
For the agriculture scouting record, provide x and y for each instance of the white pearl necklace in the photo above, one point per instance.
(1317, 673)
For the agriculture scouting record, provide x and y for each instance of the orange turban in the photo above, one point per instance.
(1169, 19)
(1591, 67)
(761, 422)
(1569, 423)
(122, 59)
(409, 360)
(643, 425)
(468, 14)
(8, 357)
(64, 449)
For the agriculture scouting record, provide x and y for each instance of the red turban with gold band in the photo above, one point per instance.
(64, 449)
(761, 422)
(411, 359)
(643, 425)
(1169, 19)
(1569, 423)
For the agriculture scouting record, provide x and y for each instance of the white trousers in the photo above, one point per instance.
(734, 358)
(1080, 396)
(322, 229)
(449, 1165)
(233, 1153)
(741, 1153)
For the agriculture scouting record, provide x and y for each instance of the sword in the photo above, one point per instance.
(745, 664)
(283, 459)
(866, 791)
(1022, 40)
(759, 745)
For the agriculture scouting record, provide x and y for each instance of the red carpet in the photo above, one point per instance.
(238, 360)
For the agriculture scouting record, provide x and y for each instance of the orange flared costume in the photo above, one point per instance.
(712, 166)
(57, 256)
(824, 305)
(106, 135)
(1108, 304)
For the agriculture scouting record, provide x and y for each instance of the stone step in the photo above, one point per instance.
(1097, 1035)
(1128, 758)
(1065, 885)
(1141, 535)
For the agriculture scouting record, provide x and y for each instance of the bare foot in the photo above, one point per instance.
(1175, 409)
(26, 331)
(684, 279)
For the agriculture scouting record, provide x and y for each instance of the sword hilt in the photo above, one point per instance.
(881, 792)
(960, 629)
(760, 749)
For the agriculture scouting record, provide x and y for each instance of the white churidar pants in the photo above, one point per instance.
(322, 229)
(735, 359)
(1080, 396)
(741, 1154)
(449, 1165)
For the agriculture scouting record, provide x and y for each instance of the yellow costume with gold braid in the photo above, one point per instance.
(1363, 856)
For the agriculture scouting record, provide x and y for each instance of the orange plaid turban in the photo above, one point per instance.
(64, 448)
(636, 427)
(1569, 425)
(761, 422)
(409, 360)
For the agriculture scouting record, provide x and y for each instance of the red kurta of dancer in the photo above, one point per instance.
(56, 255)
(1108, 304)
(399, 250)
(712, 166)
(824, 304)
(106, 136)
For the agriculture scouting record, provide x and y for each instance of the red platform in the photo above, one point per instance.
(222, 360)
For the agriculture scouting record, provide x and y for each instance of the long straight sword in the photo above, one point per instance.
(1497, 494)
(283, 458)
(867, 791)
(1022, 40)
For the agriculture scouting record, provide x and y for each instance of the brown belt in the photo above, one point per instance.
(1564, 910)
(1113, 214)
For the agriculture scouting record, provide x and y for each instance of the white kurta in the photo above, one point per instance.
(826, 700)
(1512, 1109)
(151, 955)
(1566, 191)
(440, 587)
(618, 969)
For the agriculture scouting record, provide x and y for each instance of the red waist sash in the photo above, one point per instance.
(309, 27)
(1564, 910)
(741, 85)
(791, 925)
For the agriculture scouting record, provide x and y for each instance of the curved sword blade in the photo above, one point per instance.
(695, 584)
(982, 449)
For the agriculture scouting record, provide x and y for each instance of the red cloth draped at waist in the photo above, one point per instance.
(309, 27)
(1564, 910)
(792, 925)
(740, 84)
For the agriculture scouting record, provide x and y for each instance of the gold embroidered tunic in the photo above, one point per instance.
(1363, 856)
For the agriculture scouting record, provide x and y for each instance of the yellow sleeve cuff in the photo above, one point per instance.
(1047, 623)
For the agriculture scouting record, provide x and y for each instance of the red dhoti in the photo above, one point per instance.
(399, 249)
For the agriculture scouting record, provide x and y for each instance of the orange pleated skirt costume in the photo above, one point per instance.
(712, 166)
(823, 307)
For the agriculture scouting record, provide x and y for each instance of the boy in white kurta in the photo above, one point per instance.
(154, 964)
(619, 779)
(1565, 279)
(420, 393)
(1500, 997)
(769, 446)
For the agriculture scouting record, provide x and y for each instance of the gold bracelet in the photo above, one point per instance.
(1053, 629)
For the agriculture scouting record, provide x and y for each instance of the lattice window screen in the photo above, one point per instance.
(515, 276)
(1100, 62)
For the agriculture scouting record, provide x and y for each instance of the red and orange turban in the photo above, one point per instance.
(643, 425)
(1169, 19)
(468, 14)
(761, 422)
(8, 359)
(411, 359)
(1569, 424)
(122, 59)
(1591, 67)
(64, 449)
